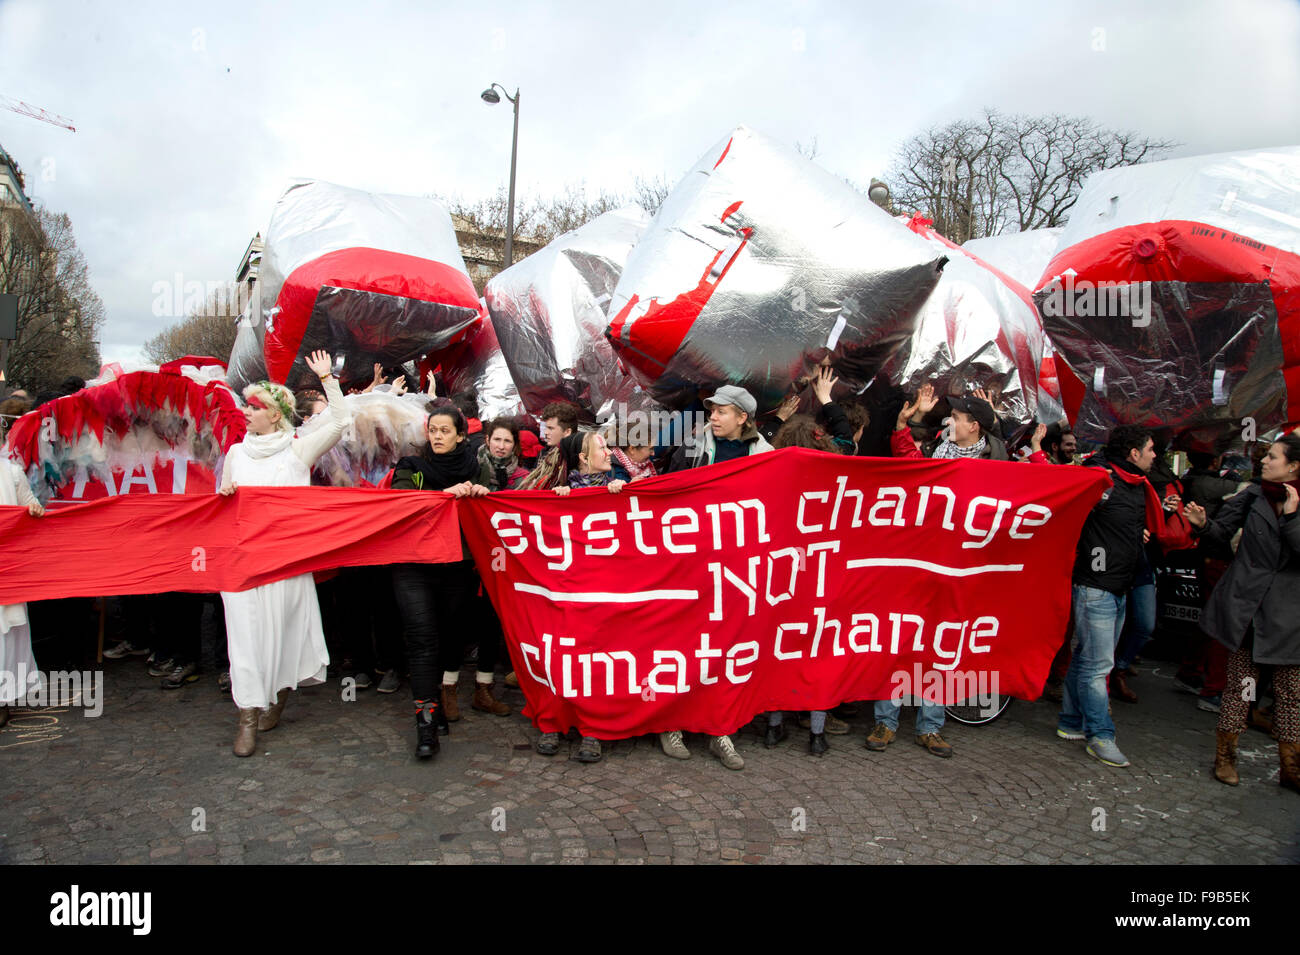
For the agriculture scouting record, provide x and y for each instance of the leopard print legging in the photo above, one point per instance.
(1286, 694)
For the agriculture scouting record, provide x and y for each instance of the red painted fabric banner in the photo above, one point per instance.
(791, 580)
(206, 543)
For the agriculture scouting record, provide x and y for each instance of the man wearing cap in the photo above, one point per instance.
(731, 434)
(971, 435)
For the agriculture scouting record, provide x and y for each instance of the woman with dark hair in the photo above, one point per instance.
(498, 457)
(432, 598)
(588, 464)
(1255, 609)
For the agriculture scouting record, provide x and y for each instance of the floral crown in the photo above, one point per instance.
(280, 397)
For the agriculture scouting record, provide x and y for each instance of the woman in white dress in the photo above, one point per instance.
(274, 631)
(17, 664)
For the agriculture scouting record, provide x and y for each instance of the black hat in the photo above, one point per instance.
(977, 408)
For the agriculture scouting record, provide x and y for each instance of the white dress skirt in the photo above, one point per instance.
(274, 633)
(17, 662)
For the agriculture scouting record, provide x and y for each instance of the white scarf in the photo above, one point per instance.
(265, 445)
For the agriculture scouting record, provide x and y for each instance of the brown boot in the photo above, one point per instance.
(1119, 688)
(1289, 776)
(246, 738)
(1225, 758)
(485, 702)
(270, 717)
(450, 708)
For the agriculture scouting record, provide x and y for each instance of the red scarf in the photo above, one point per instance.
(1275, 491)
(1171, 538)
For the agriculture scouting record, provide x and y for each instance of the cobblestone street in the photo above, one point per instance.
(337, 782)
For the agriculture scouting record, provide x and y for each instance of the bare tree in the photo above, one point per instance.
(650, 194)
(481, 225)
(59, 313)
(208, 331)
(999, 173)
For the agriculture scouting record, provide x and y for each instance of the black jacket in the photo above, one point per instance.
(1110, 544)
(1262, 585)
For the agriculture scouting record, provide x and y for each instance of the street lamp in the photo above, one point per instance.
(491, 98)
(879, 193)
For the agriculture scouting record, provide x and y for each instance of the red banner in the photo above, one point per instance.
(146, 544)
(793, 580)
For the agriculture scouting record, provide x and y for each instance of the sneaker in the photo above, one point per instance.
(548, 744)
(162, 667)
(1069, 734)
(936, 744)
(181, 674)
(835, 727)
(1186, 686)
(881, 736)
(390, 682)
(362, 680)
(1209, 704)
(725, 750)
(588, 750)
(1106, 751)
(125, 649)
(673, 745)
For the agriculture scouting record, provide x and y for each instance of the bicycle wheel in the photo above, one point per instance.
(972, 714)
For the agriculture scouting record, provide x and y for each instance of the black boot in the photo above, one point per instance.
(817, 744)
(426, 734)
(775, 733)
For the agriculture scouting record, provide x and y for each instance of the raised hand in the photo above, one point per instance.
(926, 399)
(787, 407)
(823, 381)
(1036, 442)
(1292, 500)
(1195, 515)
(924, 404)
(433, 385)
(320, 363)
(399, 385)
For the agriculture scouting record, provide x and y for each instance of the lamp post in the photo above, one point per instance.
(879, 194)
(490, 97)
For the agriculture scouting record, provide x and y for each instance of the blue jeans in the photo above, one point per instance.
(929, 716)
(1098, 618)
(1141, 623)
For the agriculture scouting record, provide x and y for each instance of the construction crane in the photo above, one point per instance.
(35, 112)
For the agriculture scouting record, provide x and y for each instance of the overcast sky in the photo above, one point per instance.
(192, 117)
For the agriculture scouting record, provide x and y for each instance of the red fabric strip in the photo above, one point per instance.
(207, 543)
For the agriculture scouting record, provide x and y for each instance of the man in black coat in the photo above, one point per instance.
(1109, 549)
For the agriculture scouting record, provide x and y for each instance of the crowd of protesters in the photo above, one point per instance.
(1231, 521)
